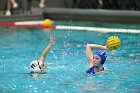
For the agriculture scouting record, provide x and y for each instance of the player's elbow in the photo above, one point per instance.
(88, 45)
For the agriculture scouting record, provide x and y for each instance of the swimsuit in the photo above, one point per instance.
(90, 70)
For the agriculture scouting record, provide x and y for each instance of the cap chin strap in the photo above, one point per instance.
(100, 68)
(42, 71)
(38, 64)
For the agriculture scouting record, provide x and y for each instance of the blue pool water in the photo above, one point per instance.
(67, 62)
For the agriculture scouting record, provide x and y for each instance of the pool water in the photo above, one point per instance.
(67, 62)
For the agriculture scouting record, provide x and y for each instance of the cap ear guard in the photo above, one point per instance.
(102, 55)
(103, 61)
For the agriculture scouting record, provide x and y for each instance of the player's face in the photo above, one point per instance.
(97, 60)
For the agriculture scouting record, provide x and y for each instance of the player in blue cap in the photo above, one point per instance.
(96, 60)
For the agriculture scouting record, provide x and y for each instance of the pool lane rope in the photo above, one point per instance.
(40, 24)
(98, 29)
(46, 24)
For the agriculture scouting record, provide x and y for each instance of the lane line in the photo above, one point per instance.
(98, 29)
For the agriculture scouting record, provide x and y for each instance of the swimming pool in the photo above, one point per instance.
(67, 62)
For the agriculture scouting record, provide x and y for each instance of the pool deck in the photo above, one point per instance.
(94, 15)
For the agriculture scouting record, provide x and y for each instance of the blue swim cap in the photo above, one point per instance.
(102, 55)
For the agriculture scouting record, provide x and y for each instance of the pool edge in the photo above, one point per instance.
(68, 14)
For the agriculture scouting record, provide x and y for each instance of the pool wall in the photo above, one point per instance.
(95, 15)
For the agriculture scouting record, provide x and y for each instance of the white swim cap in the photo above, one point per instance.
(35, 66)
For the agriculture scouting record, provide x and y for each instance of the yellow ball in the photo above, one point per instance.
(113, 42)
(47, 22)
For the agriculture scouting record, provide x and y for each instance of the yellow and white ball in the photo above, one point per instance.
(47, 22)
(113, 42)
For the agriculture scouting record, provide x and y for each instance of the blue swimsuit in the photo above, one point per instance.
(90, 71)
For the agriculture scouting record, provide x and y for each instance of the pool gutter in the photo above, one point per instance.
(16, 18)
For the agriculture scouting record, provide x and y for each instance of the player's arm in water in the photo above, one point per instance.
(45, 52)
(89, 54)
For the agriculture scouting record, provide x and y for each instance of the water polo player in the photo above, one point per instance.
(38, 66)
(96, 60)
